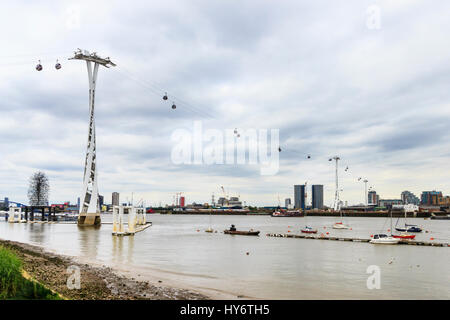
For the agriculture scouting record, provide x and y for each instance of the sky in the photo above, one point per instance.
(365, 80)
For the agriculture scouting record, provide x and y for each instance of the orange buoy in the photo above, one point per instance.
(431, 238)
(371, 235)
(289, 230)
(328, 233)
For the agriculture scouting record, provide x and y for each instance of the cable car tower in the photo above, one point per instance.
(337, 202)
(89, 207)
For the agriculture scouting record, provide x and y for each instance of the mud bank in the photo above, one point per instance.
(97, 283)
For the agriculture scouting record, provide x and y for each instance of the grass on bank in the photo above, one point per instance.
(12, 283)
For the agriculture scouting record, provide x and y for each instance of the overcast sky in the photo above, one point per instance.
(332, 79)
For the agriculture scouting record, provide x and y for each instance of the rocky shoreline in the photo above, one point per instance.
(97, 283)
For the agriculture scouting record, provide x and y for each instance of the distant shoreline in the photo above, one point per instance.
(367, 214)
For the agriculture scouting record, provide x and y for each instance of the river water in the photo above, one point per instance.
(178, 251)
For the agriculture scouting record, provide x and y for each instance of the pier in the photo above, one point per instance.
(322, 237)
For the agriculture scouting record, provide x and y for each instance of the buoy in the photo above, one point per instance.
(431, 238)
(289, 230)
(371, 235)
(351, 228)
(328, 233)
(389, 230)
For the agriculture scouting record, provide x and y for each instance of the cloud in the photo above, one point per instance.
(378, 98)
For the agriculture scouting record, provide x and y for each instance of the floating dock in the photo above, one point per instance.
(138, 229)
(300, 236)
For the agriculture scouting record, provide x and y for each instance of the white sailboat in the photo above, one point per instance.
(337, 201)
(385, 239)
(210, 229)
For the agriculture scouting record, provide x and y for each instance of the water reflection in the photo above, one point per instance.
(117, 249)
(89, 240)
(118, 244)
(130, 249)
(37, 233)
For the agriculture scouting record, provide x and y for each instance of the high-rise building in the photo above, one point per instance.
(115, 199)
(299, 196)
(101, 201)
(287, 203)
(373, 198)
(431, 198)
(410, 198)
(317, 196)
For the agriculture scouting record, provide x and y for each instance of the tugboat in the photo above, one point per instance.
(233, 231)
(285, 213)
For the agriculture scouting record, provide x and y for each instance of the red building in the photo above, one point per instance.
(182, 200)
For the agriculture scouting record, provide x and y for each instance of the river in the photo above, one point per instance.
(178, 251)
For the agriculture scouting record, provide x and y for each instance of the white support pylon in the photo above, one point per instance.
(337, 201)
(89, 208)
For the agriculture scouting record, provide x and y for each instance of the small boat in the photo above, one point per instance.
(209, 230)
(242, 233)
(340, 225)
(308, 230)
(409, 228)
(384, 239)
(404, 236)
(434, 217)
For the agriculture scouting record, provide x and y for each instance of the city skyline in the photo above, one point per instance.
(386, 121)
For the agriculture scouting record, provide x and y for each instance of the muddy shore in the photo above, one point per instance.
(97, 283)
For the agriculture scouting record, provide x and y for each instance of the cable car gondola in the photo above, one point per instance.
(174, 106)
(39, 66)
(165, 97)
(57, 65)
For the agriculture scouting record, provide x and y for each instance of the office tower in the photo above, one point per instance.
(317, 196)
(287, 203)
(115, 199)
(299, 196)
